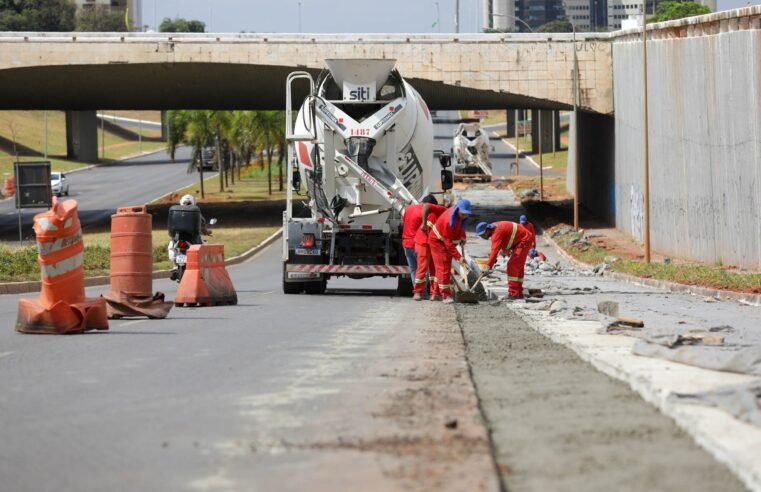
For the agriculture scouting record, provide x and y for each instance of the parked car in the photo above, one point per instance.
(59, 184)
(209, 156)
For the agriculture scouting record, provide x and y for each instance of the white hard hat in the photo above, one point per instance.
(188, 200)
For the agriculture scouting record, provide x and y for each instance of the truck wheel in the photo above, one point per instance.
(403, 286)
(291, 287)
(316, 288)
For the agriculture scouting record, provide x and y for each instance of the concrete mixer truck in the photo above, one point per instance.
(360, 149)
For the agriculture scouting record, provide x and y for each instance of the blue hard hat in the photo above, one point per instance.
(523, 219)
(464, 207)
(482, 227)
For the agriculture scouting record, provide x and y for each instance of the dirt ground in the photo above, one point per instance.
(558, 424)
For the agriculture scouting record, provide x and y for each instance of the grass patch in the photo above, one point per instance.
(27, 128)
(711, 276)
(251, 187)
(19, 264)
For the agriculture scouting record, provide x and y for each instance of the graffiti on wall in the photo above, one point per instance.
(637, 208)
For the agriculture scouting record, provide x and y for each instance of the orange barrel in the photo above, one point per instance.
(61, 254)
(9, 189)
(132, 251)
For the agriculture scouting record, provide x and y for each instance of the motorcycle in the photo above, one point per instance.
(185, 229)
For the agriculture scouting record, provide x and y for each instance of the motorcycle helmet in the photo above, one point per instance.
(188, 200)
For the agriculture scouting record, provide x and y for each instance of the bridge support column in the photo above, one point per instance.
(164, 127)
(510, 122)
(597, 171)
(556, 127)
(82, 136)
(546, 136)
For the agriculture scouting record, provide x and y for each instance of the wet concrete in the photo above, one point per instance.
(558, 424)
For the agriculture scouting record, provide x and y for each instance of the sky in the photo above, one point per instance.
(331, 16)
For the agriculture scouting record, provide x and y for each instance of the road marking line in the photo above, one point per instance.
(5, 354)
(129, 323)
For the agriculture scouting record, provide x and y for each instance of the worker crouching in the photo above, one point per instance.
(514, 240)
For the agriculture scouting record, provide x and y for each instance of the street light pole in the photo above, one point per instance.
(457, 16)
(299, 17)
(438, 16)
(646, 194)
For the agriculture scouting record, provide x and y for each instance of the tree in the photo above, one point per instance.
(37, 15)
(181, 25)
(101, 18)
(672, 10)
(195, 128)
(556, 26)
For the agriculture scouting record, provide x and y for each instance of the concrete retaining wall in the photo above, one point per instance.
(705, 141)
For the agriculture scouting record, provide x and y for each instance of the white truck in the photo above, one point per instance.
(361, 146)
(471, 150)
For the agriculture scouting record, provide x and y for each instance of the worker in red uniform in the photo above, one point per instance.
(513, 239)
(413, 219)
(448, 229)
(425, 266)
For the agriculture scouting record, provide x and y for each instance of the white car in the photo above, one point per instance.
(59, 184)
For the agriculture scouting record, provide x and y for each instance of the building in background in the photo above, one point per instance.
(536, 13)
(135, 14)
(499, 15)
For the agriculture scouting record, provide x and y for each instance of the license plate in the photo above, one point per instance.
(181, 259)
(302, 275)
(308, 252)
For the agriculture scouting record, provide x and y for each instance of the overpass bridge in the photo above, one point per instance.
(80, 71)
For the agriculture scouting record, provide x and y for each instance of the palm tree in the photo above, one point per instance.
(192, 127)
(270, 125)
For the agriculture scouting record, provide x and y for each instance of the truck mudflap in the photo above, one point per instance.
(349, 269)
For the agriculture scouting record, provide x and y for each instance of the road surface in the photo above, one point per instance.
(101, 190)
(354, 390)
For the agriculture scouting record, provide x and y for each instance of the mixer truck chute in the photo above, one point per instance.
(361, 145)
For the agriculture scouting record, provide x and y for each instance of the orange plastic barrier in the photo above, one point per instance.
(62, 307)
(205, 282)
(9, 189)
(132, 267)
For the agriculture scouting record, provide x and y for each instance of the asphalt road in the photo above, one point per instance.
(101, 190)
(259, 396)
(501, 157)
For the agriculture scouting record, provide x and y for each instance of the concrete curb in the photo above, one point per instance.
(723, 295)
(35, 286)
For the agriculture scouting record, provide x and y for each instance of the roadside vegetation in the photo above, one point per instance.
(22, 134)
(19, 263)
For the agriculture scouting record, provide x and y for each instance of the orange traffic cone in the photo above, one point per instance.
(62, 307)
(205, 281)
(132, 267)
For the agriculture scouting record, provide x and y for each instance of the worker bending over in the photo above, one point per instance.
(448, 229)
(512, 239)
(425, 267)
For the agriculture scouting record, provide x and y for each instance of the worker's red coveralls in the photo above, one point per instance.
(510, 236)
(442, 238)
(425, 264)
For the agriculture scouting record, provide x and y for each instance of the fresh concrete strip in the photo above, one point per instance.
(35, 286)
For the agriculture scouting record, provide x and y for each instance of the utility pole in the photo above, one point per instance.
(102, 135)
(517, 149)
(541, 161)
(646, 197)
(438, 16)
(299, 17)
(575, 134)
(457, 16)
(46, 135)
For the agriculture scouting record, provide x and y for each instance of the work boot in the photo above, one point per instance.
(510, 298)
(435, 298)
(447, 300)
(417, 297)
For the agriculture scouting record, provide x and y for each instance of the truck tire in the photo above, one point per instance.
(403, 286)
(316, 288)
(291, 287)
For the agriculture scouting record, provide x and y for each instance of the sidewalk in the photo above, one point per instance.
(569, 315)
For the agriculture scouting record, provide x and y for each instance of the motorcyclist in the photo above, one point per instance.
(190, 200)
